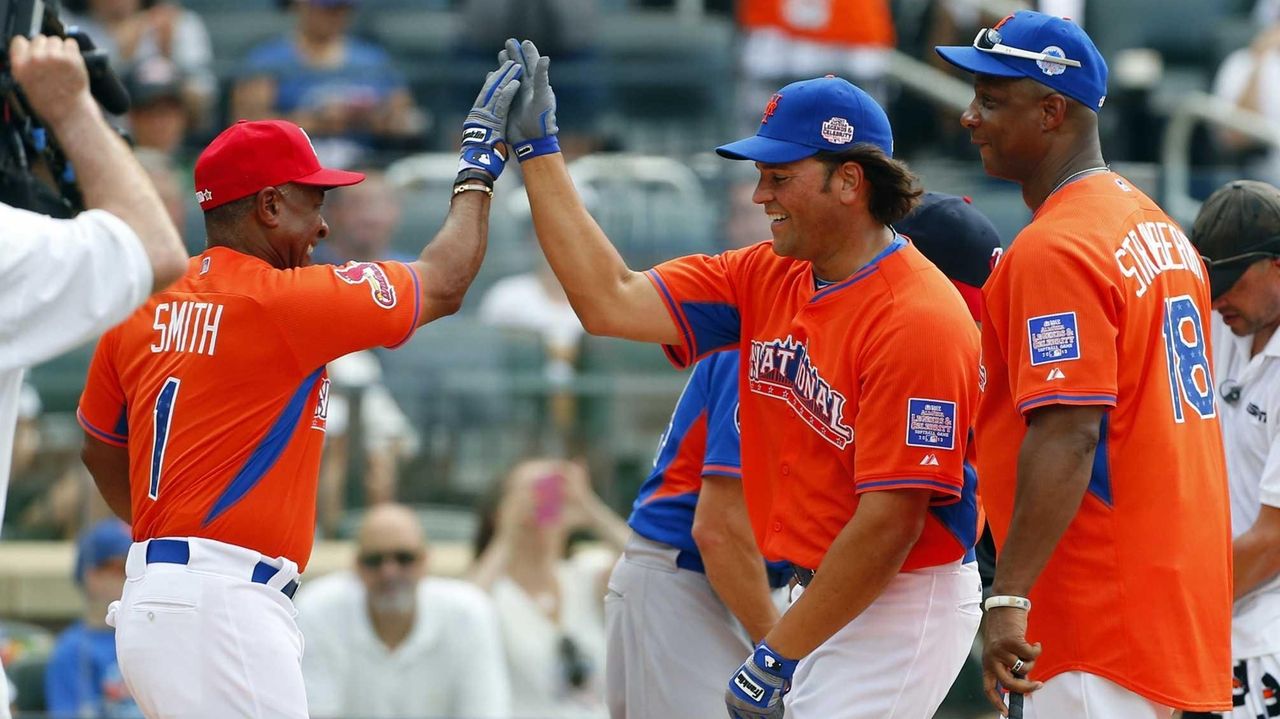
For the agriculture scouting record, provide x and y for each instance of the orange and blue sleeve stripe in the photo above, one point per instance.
(417, 305)
(722, 470)
(683, 355)
(950, 489)
(1067, 398)
(116, 438)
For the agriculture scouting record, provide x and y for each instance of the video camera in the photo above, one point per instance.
(34, 173)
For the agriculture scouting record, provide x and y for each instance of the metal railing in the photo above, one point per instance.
(1175, 152)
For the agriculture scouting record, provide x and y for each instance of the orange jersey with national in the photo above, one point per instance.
(838, 22)
(888, 355)
(1102, 300)
(217, 387)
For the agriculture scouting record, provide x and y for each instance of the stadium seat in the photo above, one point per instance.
(652, 208)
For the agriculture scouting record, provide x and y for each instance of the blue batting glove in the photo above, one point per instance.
(532, 126)
(757, 688)
(484, 129)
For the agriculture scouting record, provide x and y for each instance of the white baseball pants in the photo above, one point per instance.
(213, 637)
(899, 658)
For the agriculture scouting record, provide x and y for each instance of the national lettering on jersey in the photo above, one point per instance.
(782, 369)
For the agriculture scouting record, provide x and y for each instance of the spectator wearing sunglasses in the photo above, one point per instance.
(1099, 452)
(1238, 232)
(385, 641)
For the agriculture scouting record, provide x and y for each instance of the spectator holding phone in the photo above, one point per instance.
(549, 601)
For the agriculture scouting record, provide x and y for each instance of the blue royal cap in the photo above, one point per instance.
(824, 114)
(1040, 34)
(108, 539)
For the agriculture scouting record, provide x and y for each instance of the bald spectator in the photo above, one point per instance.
(384, 641)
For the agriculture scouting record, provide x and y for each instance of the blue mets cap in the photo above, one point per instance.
(1053, 51)
(824, 114)
(108, 539)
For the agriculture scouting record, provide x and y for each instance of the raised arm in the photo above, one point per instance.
(449, 263)
(53, 77)
(608, 297)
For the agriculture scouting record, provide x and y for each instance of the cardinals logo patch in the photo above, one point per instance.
(354, 273)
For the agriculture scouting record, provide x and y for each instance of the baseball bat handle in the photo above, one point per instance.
(1015, 701)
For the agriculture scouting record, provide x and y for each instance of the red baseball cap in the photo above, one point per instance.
(249, 156)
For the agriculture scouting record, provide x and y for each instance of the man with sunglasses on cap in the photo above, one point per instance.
(1097, 439)
(828, 321)
(204, 412)
(386, 641)
(1238, 231)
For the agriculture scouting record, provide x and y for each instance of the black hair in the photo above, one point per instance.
(895, 189)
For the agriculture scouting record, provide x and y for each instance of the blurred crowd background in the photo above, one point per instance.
(446, 429)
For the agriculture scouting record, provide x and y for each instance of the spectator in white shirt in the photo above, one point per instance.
(386, 642)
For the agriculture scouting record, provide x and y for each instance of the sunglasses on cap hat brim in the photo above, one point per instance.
(988, 40)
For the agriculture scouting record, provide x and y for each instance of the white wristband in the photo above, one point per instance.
(1007, 600)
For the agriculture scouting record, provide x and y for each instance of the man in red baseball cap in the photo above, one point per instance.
(204, 413)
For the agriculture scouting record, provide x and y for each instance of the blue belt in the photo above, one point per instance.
(177, 551)
(693, 562)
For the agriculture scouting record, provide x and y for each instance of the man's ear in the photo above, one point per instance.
(852, 182)
(1053, 111)
(268, 205)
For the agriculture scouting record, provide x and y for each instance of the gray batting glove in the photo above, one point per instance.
(484, 129)
(532, 123)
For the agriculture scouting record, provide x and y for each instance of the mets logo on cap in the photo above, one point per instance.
(837, 131)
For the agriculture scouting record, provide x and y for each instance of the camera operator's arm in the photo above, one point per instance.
(52, 75)
(63, 282)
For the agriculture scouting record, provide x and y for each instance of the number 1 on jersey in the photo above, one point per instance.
(1186, 352)
(162, 417)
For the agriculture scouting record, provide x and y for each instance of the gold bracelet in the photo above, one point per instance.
(465, 186)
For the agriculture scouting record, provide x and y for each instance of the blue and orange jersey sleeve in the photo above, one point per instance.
(916, 407)
(1060, 345)
(723, 455)
(325, 312)
(700, 292)
(103, 409)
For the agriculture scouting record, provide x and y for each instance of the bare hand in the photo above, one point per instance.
(53, 77)
(1004, 632)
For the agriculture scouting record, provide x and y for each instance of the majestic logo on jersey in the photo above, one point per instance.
(770, 108)
(353, 273)
(1053, 338)
(320, 420)
(837, 131)
(931, 423)
(782, 369)
(1055, 373)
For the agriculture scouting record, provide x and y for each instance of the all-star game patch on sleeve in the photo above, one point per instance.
(916, 407)
(1061, 340)
(329, 311)
(700, 292)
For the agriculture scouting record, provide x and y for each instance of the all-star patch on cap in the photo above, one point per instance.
(1237, 226)
(249, 156)
(824, 114)
(1038, 33)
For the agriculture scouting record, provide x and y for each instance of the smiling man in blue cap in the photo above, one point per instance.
(843, 329)
(1098, 442)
